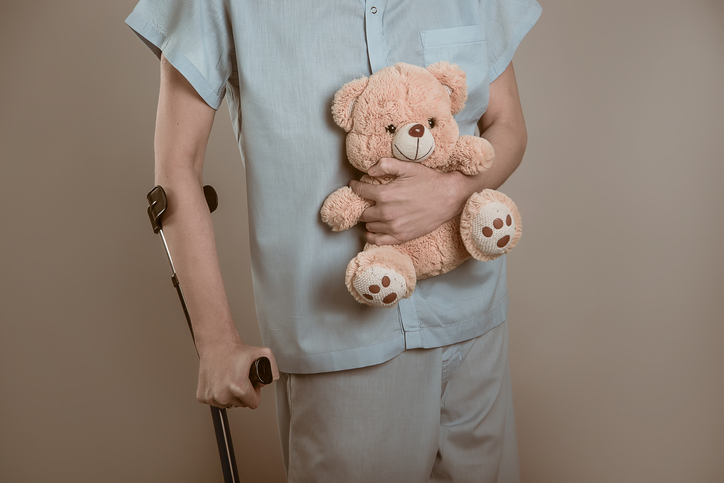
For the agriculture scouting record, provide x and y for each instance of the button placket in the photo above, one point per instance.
(377, 50)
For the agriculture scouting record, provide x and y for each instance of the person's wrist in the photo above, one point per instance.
(218, 342)
(462, 187)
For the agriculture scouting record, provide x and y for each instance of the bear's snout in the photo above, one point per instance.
(414, 142)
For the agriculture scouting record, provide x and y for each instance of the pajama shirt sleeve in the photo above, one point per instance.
(507, 22)
(194, 35)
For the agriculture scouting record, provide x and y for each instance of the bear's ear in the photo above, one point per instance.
(344, 101)
(453, 78)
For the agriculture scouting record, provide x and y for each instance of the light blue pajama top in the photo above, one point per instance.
(279, 63)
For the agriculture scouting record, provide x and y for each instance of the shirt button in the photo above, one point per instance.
(373, 10)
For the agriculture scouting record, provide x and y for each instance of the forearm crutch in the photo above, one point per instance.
(260, 372)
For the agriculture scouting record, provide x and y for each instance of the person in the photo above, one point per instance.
(417, 393)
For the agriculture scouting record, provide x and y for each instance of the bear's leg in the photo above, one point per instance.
(380, 276)
(490, 225)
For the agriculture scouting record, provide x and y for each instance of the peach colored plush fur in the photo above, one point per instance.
(399, 95)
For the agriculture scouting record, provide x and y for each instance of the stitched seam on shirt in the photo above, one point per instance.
(349, 349)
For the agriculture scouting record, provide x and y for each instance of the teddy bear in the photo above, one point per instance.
(406, 112)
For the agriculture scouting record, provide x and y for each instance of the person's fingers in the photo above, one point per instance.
(246, 395)
(381, 239)
(225, 399)
(237, 396)
(375, 228)
(224, 377)
(385, 167)
(390, 167)
(365, 190)
(374, 214)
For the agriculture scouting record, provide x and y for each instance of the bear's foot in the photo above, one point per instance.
(490, 225)
(380, 277)
(379, 286)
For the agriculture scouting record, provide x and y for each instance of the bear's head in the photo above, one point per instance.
(402, 111)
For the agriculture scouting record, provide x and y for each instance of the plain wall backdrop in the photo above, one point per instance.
(617, 293)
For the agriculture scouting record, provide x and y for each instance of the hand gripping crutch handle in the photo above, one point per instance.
(260, 372)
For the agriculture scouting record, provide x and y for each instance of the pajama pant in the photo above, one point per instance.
(428, 415)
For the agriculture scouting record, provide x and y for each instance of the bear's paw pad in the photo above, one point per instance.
(380, 286)
(492, 228)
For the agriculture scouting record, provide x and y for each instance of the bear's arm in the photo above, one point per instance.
(343, 208)
(472, 155)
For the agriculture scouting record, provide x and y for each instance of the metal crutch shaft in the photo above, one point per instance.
(260, 372)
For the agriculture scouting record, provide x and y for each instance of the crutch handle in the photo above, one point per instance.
(260, 372)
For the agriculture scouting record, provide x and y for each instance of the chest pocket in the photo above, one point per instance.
(466, 47)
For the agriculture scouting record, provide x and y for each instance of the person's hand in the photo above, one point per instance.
(224, 375)
(415, 203)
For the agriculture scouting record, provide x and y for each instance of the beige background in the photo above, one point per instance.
(617, 291)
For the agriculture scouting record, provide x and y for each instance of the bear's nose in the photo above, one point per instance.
(417, 131)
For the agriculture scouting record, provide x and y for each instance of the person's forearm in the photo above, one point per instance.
(509, 142)
(503, 126)
(183, 125)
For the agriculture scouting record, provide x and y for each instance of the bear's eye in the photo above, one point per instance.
(431, 122)
(391, 129)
